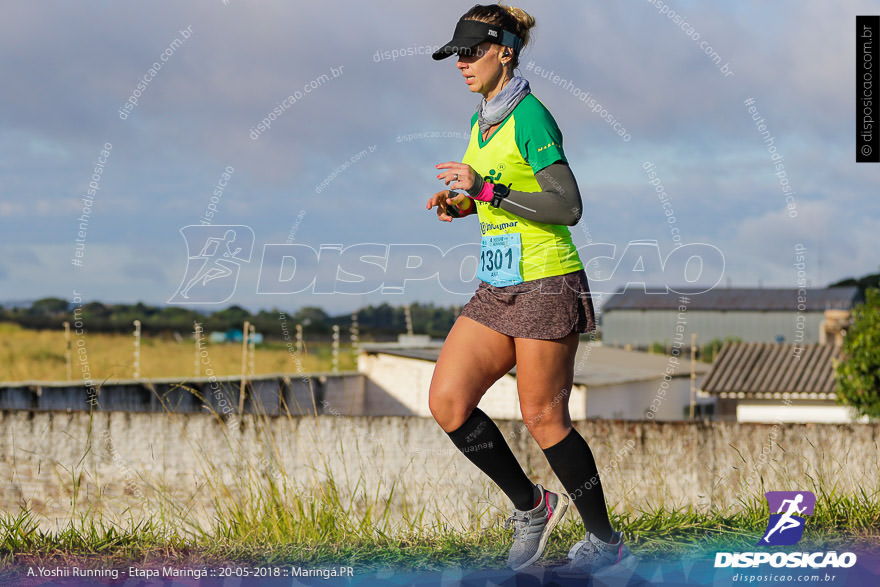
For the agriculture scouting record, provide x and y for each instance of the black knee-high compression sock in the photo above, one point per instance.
(482, 442)
(572, 461)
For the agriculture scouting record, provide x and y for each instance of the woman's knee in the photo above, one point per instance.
(448, 409)
(546, 424)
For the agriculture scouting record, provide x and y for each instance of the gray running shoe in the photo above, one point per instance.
(591, 554)
(532, 528)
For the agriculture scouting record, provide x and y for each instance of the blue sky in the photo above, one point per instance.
(370, 137)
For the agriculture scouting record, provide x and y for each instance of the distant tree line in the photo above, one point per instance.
(380, 322)
(863, 283)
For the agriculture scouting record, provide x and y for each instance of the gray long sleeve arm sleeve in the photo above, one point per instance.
(558, 202)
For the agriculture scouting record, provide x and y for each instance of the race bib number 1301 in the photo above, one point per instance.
(499, 259)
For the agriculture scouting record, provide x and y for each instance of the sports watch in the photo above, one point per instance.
(499, 192)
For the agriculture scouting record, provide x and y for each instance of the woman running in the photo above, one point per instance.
(533, 299)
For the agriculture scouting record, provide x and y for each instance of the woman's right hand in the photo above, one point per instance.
(443, 200)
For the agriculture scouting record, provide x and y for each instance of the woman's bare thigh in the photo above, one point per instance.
(471, 360)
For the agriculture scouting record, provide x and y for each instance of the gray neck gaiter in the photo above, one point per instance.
(497, 109)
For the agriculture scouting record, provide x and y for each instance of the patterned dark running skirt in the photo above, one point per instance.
(546, 308)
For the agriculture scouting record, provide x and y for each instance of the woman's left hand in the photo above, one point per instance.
(458, 176)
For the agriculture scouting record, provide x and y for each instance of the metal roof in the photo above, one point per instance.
(758, 369)
(738, 298)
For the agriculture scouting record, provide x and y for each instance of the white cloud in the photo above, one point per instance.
(840, 243)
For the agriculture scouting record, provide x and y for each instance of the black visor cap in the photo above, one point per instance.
(470, 33)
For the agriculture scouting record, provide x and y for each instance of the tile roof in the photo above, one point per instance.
(759, 369)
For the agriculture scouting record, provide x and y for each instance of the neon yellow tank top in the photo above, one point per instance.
(527, 141)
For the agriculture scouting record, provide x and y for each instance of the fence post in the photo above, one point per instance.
(408, 314)
(137, 349)
(693, 373)
(244, 352)
(67, 351)
(355, 336)
(197, 334)
(335, 347)
(252, 346)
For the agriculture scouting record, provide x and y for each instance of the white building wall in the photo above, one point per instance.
(767, 413)
(399, 386)
(634, 401)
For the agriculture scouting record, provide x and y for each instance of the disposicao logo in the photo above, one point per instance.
(785, 528)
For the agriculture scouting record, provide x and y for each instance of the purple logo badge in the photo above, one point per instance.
(786, 524)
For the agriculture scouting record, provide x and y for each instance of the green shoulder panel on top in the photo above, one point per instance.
(537, 136)
(474, 119)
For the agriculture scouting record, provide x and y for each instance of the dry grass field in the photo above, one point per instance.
(30, 355)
